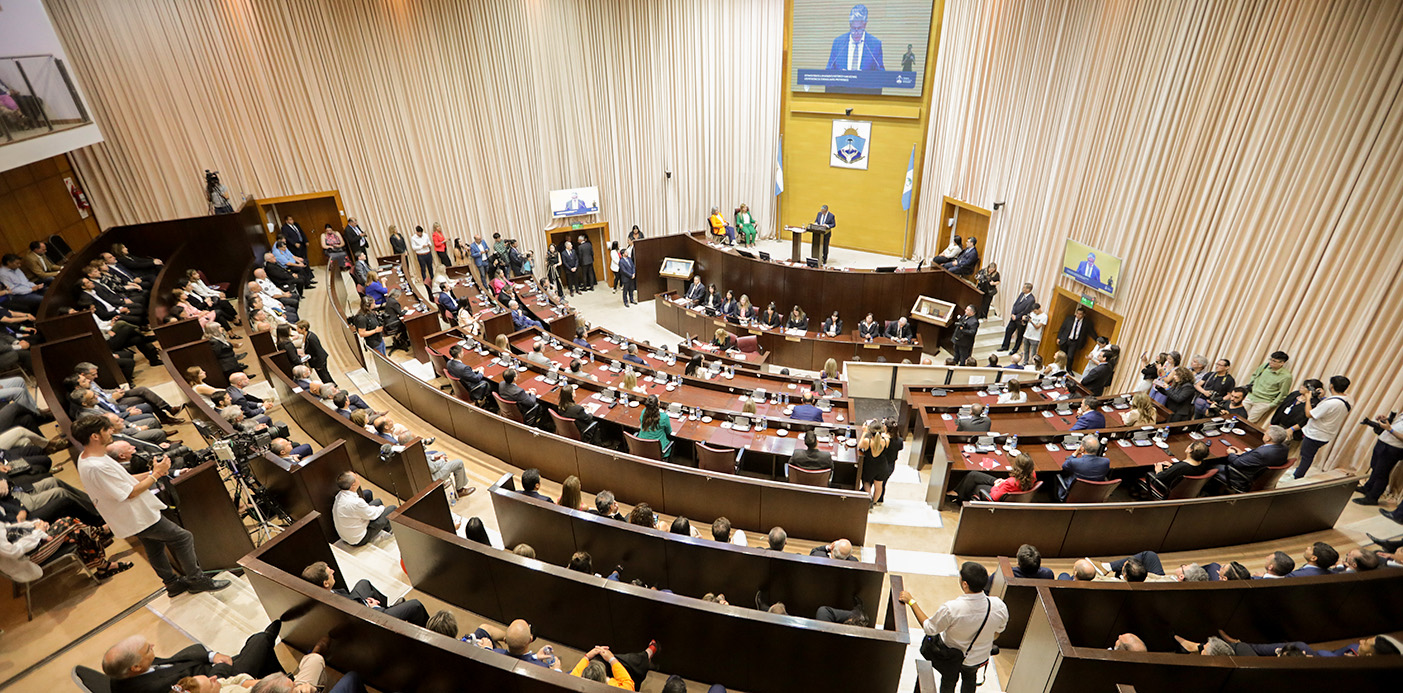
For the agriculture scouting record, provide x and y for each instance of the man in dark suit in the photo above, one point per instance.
(966, 328)
(296, 239)
(519, 317)
(1075, 332)
(1242, 468)
(570, 260)
(315, 352)
(628, 276)
(282, 276)
(510, 391)
(410, 610)
(106, 305)
(356, 240)
(1088, 416)
(133, 666)
(856, 49)
(1098, 375)
(697, 291)
(633, 357)
(1018, 319)
(976, 422)
(840, 550)
(811, 457)
(460, 370)
(964, 265)
(1086, 463)
(825, 218)
(586, 251)
(1030, 564)
(1320, 558)
(901, 330)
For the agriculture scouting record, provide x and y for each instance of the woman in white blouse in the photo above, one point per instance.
(614, 266)
(1015, 394)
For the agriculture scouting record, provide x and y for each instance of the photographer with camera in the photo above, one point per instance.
(123, 501)
(1323, 420)
(1388, 450)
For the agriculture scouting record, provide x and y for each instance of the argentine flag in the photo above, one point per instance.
(779, 167)
(910, 181)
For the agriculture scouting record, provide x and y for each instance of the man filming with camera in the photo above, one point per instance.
(1388, 450)
(130, 509)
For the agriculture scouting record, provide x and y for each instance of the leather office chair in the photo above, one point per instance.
(1188, 487)
(510, 410)
(749, 344)
(1023, 497)
(723, 460)
(1269, 476)
(643, 447)
(1084, 491)
(570, 428)
(809, 477)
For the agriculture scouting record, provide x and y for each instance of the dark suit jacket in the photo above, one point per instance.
(1064, 337)
(965, 263)
(811, 459)
(696, 292)
(191, 661)
(1097, 378)
(866, 331)
(513, 392)
(85, 300)
(966, 328)
(807, 412)
(822, 552)
(1308, 570)
(897, 332)
(280, 275)
(292, 233)
(774, 319)
(1090, 420)
(570, 259)
(831, 325)
(1091, 468)
(800, 324)
(1023, 305)
(586, 251)
(1244, 468)
(1180, 401)
(463, 372)
(976, 424)
(316, 353)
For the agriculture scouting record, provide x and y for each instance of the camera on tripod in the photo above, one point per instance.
(181, 457)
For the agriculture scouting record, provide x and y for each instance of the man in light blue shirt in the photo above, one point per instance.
(23, 295)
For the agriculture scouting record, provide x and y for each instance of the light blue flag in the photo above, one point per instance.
(910, 181)
(779, 167)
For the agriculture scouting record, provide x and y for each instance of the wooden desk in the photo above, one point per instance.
(203, 507)
(611, 344)
(808, 351)
(420, 316)
(581, 610)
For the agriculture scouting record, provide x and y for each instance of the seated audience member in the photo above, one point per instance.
(833, 326)
(530, 482)
(979, 485)
(1234, 403)
(26, 546)
(797, 320)
(901, 330)
(806, 411)
(654, 424)
(440, 466)
(633, 357)
(460, 369)
(580, 339)
(1320, 558)
(133, 667)
(625, 671)
(538, 356)
(1279, 565)
(723, 340)
(37, 265)
(696, 291)
(410, 610)
(811, 457)
(963, 265)
(976, 422)
(570, 494)
(289, 453)
(1014, 394)
(1147, 567)
(1088, 416)
(525, 399)
(573, 410)
(1359, 561)
(1227, 645)
(771, 317)
(1086, 463)
(1030, 564)
(474, 530)
(722, 531)
(951, 251)
(1098, 376)
(1166, 475)
(520, 319)
(1243, 468)
(1015, 362)
(1129, 642)
(681, 526)
(1142, 411)
(869, 328)
(606, 506)
(515, 642)
(776, 538)
(841, 550)
(142, 398)
(358, 516)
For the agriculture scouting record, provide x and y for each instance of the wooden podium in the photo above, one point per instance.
(796, 242)
(820, 235)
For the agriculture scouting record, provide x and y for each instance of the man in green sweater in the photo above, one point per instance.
(1269, 385)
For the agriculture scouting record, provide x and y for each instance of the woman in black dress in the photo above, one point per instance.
(874, 447)
(987, 280)
(1165, 475)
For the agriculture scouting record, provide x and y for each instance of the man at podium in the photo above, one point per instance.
(823, 229)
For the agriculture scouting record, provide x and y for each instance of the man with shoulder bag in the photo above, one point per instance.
(960, 635)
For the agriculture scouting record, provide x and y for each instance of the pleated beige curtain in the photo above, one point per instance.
(1244, 158)
(465, 113)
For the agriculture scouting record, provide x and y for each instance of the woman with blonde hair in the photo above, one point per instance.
(503, 345)
(1058, 367)
(570, 494)
(440, 243)
(830, 369)
(1015, 394)
(1142, 411)
(630, 382)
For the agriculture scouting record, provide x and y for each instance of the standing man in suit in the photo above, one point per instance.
(976, 422)
(481, 254)
(1087, 463)
(856, 49)
(356, 240)
(1088, 416)
(586, 252)
(133, 666)
(570, 260)
(1018, 319)
(966, 327)
(628, 276)
(1098, 376)
(826, 218)
(296, 239)
(1075, 332)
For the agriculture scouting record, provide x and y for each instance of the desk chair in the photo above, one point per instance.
(510, 410)
(1022, 497)
(724, 460)
(1265, 480)
(1188, 487)
(749, 344)
(809, 477)
(644, 447)
(50, 570)
(570, 428)
(1084, 491)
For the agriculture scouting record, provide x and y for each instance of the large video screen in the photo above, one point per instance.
(1092, 267)
(847, 47)
(574, 202)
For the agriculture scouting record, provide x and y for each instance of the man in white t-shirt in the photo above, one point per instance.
(1388, 450)
(1033, 333)
(130, 508)
(1323, 421)
(969, 623)
(358, 516)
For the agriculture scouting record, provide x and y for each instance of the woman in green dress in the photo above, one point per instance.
(746, 224)
(654, 425)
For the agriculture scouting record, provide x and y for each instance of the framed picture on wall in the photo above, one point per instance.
(851, 143)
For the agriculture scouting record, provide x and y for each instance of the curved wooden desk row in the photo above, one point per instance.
(559, 320)
(400, 474)
(853, 293)
(751, 504)
(721, 394)
(391, 654)
(1073, 530)
(808, 351)
(1238, 607)
(762, 651)
(685, 565)
(420, 317)
(1065, 645)
(766, 450)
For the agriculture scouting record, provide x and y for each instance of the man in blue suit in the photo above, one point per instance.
(967, 261)
(1088, 269)
(857, 49)
(293, 234)
(1242, 468)
(481, 253)
(1088, 416)
(520, 319)
(1087, 464)
(807, 411)
(1320, 558)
